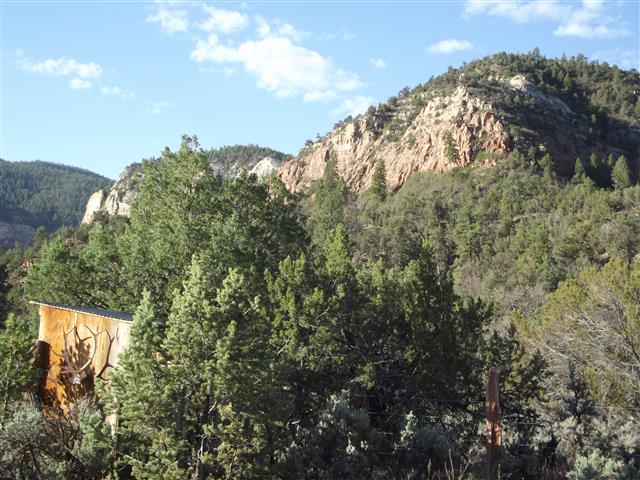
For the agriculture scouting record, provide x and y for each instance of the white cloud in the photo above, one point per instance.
(591, 19)
(378, 62)
(224, 21)
(116, 91)
(449, 46)
(584, 30)
(519, 11)
(280, 65)
(171, 21)
(343, 34)
(158, 107)
(79, 84)
(354, 106)
(278, 28)
(63, 66)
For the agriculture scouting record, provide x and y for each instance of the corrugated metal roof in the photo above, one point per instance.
(98, 312)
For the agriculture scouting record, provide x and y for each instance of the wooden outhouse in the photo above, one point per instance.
(76, 346)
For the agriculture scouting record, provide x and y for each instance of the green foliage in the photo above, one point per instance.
(597, 466)
(230, 160)
(46, 445)
(45, 194)
(451, 149)
(621, 174)
(359, 347)
(329, 201)
(379, 182)
(597, 311)
(17, 374)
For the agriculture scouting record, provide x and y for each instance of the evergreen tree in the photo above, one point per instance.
(139, 392)
(329, 201)
(621, 174)
(567, 83)
(579, 172)
(379, 182)
(451, 149)
(17, 372)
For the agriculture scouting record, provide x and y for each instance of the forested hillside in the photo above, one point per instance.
(227, 162)
(475, 114)
(347, 334)
(41, 194)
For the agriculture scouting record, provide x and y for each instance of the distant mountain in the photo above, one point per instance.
(227, 162)
(40, 194)
(476, 114)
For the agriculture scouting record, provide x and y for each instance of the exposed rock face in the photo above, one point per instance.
(95, 203)
(519, 82)
(265, 167)
(119, 198)
(466, 120)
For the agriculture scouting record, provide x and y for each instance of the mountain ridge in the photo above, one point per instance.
(38, 193)
(566, 108)
(227, 162)
(554, 110)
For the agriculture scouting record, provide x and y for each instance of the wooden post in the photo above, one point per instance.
(494, 426)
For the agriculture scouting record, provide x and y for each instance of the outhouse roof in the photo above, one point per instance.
(98, 312)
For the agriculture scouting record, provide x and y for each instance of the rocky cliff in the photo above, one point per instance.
(228, 162)
(476, 115)
(118, 199)
(448, 132)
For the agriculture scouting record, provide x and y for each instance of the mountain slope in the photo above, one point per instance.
(35, 194)
(566, 108)
(227, 162)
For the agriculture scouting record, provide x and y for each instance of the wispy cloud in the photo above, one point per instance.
(280, 63)
(378, 62)
(589, 19)
(223, 21)
(158, 107)
(114, 90)
(353, 106)
(449, 46)
(81, 73)
(279, 28)
(171, 21)
(583, 30)
(61, 67)
(343, 34)
(79, 84)
(618, 56)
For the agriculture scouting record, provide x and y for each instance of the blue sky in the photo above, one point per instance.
(103, 84)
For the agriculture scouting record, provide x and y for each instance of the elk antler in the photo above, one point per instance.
(107, 355)
(78, 374)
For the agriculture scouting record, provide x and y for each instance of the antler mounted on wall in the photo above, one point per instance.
(70, 368)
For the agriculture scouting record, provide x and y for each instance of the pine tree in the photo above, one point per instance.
(139, 393)
(579, 173)
(379, 182)
(567, 83)
(330, 199)
(451, 149)
(621, 174)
